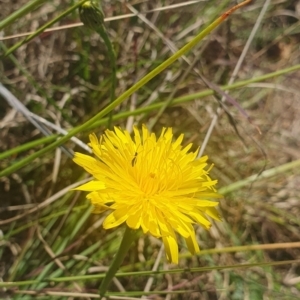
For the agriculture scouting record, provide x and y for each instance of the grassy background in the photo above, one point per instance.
(64, 77)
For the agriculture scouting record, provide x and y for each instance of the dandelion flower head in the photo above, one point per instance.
(152, 183)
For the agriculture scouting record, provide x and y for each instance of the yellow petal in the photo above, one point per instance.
(91, 186)
(213, 213)
(192, 244)
(111, 221)
(171, 248)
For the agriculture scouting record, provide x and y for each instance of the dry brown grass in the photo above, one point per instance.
(64, 77)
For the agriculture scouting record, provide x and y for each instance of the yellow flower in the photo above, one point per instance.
(150, 183)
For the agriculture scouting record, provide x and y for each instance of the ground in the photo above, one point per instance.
(64, 77)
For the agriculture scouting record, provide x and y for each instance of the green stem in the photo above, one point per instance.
(129, 237)
(112, 57)
(92, 16)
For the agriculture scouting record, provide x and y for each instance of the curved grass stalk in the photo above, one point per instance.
(127, 93)
(42, 29)
(28, 7)
(149, 108)
(174, 271)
